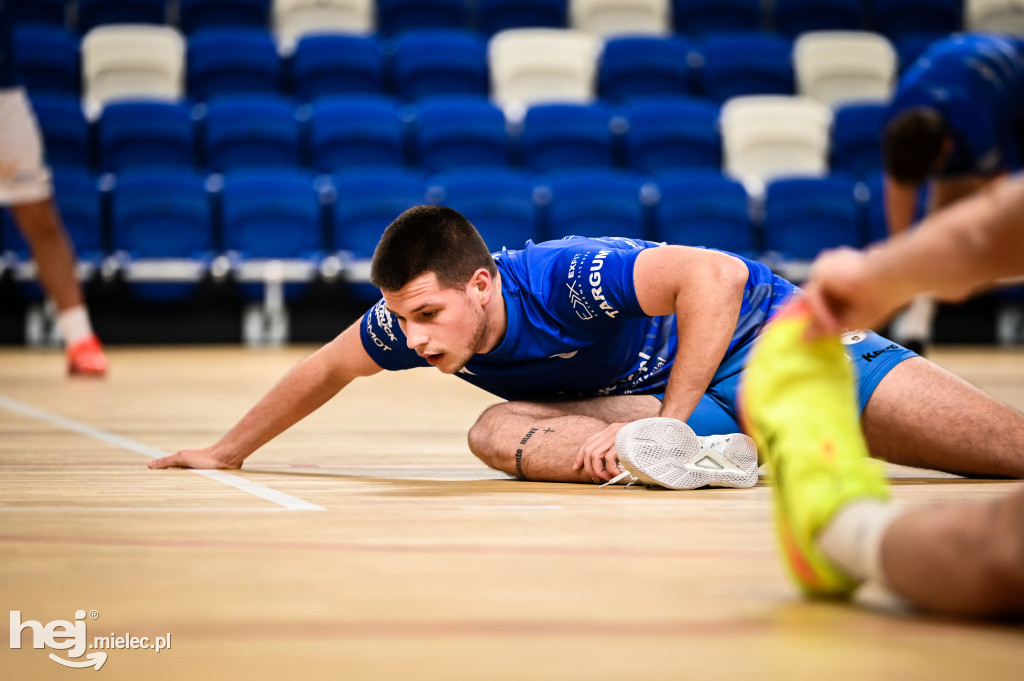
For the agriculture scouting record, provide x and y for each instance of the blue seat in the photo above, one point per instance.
(368, 200)
(356, 130)
(195, 15)
(271, 213)
(566, 136)
(394, 16)
(134, 133)
(231, 60)
(440, 61)
(912, 45)
(499, 15)
(66, 134)
(695, 17)
(453, 131)
(594, 202)
(793, 17)
(80, 204)
(704, 208)
(53, 12)
(46, 58)
(251, 129)
(746, 63)
(897, 18)
(337, 64)
(162, 213)
(803, 216)
(498, 201)
(92, 13)
(857, 138)
(644, 65)
(672, 132)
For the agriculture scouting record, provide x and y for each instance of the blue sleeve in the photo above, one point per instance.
(590, 282)
(385, 342)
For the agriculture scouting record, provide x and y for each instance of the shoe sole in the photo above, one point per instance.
(664, 452)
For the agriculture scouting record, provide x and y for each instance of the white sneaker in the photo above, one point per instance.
(665, 452)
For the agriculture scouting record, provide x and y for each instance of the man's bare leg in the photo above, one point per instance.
(539, 440)
(921, 415)
(52, 251)
(962, 558)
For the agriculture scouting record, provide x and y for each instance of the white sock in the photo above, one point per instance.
(853, 538)
(915, 323)
(74, 324)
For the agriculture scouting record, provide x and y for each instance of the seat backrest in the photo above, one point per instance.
(395, 16)
(230, 60)
(93, 13)
(793, 17)
(356, 130)
(132, 61)
(595, 202)
(145, 133)
(559, 136)
(454, 131)
(249, 130)
(765, 137)
(839, 67)
(498, 15)
(45, 57)
(498, 201)
(195, 15)
(740, 63)
(161, 213)
(857, 138)
(645, 65)
(703, 207)
(294, 19)
(65, 130)
(697, 17)
(621, 17)
(368, 200)
(803, 216)
(996, 16)
(440, 61)
(896, 18)
(52, 12)
(337, 64)
(533, 66)
(672, 132)
(271, 212)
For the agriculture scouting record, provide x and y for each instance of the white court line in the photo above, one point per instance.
(280, 498)
(127, 509)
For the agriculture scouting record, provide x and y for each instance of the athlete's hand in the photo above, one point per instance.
(597, 456)
(194, 458)
(842, 294)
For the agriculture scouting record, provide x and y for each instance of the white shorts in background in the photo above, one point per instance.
(24, 177)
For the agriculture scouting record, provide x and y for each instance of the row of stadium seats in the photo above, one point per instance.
(516, 67)
(291, 18)
(289, 214)
(443, 133)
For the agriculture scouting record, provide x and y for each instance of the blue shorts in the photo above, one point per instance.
(872, 356)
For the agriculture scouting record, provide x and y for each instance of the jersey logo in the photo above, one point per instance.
(565, 355)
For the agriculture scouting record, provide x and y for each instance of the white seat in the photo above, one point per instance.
(131, 61)
(534, 65)
(995, 16)
(840, 67)
(294, 19)
(619, 17)
(766, 137)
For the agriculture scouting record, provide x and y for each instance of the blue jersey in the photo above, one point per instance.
(976, 82)
(575, 327)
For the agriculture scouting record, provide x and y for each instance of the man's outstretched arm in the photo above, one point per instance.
(299, 393)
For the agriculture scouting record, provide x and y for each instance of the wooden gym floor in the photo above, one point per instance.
(368, 543)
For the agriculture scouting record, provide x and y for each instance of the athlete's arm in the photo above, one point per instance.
(976, 242)
(704, 289)
(301, 391)
(900, 204)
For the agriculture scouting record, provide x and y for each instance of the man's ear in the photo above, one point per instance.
(482, 284)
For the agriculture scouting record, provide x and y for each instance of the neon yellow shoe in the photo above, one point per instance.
(798, 402)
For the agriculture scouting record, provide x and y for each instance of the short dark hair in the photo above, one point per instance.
(429, 239)
(912, 143)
